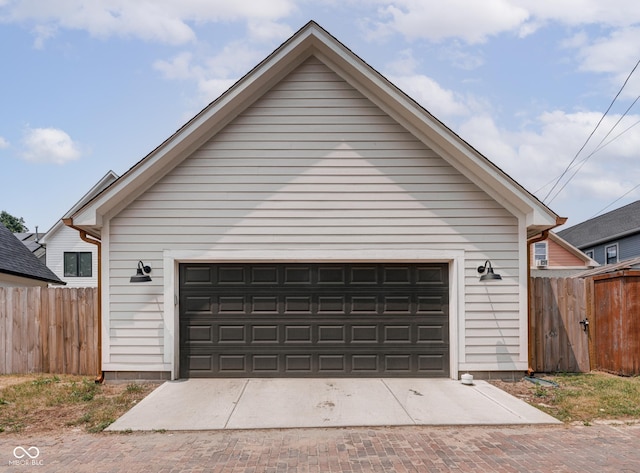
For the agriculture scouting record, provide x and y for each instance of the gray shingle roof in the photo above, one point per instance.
(614, 224)
(17, 260)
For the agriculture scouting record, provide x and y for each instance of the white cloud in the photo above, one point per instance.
(3, 143)
(215, 74)
(474, 22)
(602, 36)
(615, 13)
(165, 21)
(267, 30)
(441, 102)
(537, 156)
(49, 145)
(460, 57)
(615, 54)
(481, 132)
(177, 68)
(469, 20)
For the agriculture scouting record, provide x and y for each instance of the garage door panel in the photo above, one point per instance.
(313, 320)
(267, 334)
(198, 305)
(297, 303)
(274, 331)
(331, 334)
(264, 275)
(242, 364)
(201, 334)
(432, 275)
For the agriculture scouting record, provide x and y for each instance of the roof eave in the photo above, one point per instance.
(35, 278)
(310, 40)
(195, 132)
(438, 136)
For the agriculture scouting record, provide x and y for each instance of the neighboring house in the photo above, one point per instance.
(630, 264)
(19, 266)
(608, 238)
(555, 257)
(73, 260)
(313, 221)
(33, 242)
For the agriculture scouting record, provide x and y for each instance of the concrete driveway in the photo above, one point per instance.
(213, 404)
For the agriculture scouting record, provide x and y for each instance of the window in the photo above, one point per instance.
(590, 253)
(77, 265)
(611, 254)
(540, 251)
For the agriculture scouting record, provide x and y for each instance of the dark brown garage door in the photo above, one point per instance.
(322, 320)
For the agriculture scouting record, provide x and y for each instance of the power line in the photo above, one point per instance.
(619, 198)
(598, 148)
(591, 134)
(593, 152)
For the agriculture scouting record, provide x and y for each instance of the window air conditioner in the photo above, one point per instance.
(542, 263)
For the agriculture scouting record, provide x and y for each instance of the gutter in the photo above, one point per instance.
(94, 241)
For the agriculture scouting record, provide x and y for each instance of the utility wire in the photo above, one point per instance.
(598, 148)
(592, 153)
(619, 198)
(592, 133)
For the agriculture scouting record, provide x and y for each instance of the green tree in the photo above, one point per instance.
(14, 224)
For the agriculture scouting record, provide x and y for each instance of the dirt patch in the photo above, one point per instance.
(10, 380)
(521, 389)
(40, 404)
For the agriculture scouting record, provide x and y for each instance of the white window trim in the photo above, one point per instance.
(615, 245)
(546, 249)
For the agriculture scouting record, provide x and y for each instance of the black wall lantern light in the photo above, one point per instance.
(490, 276)
(140, 276)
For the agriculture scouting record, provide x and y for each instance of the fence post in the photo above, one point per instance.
(34, 359)
(4, 322)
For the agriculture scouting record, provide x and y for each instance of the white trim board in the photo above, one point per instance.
(173, 258)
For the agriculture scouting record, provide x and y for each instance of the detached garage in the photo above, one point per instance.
(313, 221)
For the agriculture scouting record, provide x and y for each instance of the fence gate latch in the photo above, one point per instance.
(585, 324)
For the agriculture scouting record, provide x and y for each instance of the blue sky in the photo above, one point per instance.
(89, 86)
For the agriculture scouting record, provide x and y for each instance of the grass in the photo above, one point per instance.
(588, 397)
(41, 404)
(46, 403)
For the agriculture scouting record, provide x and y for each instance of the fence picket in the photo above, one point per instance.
(48, 330)
(54, 330)
(557, 306)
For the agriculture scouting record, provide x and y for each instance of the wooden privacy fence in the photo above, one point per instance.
(615, 323)
(558, 340)
(48, 330)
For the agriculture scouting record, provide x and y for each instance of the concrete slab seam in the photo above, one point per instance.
(499, 403)
(244, 387)
(399, 403)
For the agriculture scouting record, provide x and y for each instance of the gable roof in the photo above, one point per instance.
(17, 260)
(612, 225)
(104, 182)
(312, 40)
(573, 250)
(29, 240)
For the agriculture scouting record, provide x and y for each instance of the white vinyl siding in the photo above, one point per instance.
(64, 240)
(313, 164)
